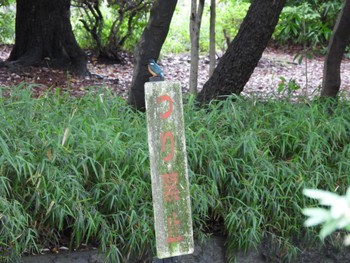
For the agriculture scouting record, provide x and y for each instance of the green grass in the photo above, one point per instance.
(76, 171)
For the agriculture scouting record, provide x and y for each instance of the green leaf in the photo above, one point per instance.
(324, 197)
(317, 216)
(328, 229)
(281, 87)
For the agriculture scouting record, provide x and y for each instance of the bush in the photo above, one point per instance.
(230, 15)
(307, 23)
(7, 24)
(75, 171)
(109, 27)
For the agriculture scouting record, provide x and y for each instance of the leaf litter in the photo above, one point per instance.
(274, 66)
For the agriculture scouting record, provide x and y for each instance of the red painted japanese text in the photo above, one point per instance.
(170, 180)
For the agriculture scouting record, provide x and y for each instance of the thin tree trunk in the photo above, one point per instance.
(212, 53)
(195, 25)
(245, 51)
(336, 48)
(149, 46)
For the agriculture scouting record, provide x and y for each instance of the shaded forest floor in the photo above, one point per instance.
(274, 65)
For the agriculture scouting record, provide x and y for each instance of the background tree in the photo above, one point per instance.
(129, 12)
(307, 23)
(195, 26)
(92, 21)
(149, 46)
(212, 49)
(337, 45)
(245, 51)
(44, 36)
(109, 39)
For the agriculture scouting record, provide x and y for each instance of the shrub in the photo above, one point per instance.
(230, 15)
(109, 27)
(307, 23)
(76, 171)
(7, 24)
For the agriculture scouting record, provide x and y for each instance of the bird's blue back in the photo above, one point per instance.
(155, 68)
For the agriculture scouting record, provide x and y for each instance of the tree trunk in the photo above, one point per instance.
(195, 26)
(44, 36)
(336, 48)
(245, 51)
(212, 52)
(149, 46)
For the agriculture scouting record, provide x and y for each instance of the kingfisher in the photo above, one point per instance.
(155, 70)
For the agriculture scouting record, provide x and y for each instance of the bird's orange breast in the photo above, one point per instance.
(152, 72)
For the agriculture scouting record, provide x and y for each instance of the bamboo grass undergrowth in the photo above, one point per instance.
(75, 171)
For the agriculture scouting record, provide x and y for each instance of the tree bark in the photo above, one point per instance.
(244, 52)
(212, 52)
(195, 26)
(44, 36)
(336, 48)
(149, 46)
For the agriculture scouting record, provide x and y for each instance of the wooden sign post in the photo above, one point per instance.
(170, 184)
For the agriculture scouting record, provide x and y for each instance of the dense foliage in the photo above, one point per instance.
(108, 26)
(112, 26)
(75, 171)
(7, 23)
(307, 22)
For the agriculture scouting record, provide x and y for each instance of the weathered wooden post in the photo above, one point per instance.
(170, 184)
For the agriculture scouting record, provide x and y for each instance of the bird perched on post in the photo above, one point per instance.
(155, 70)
